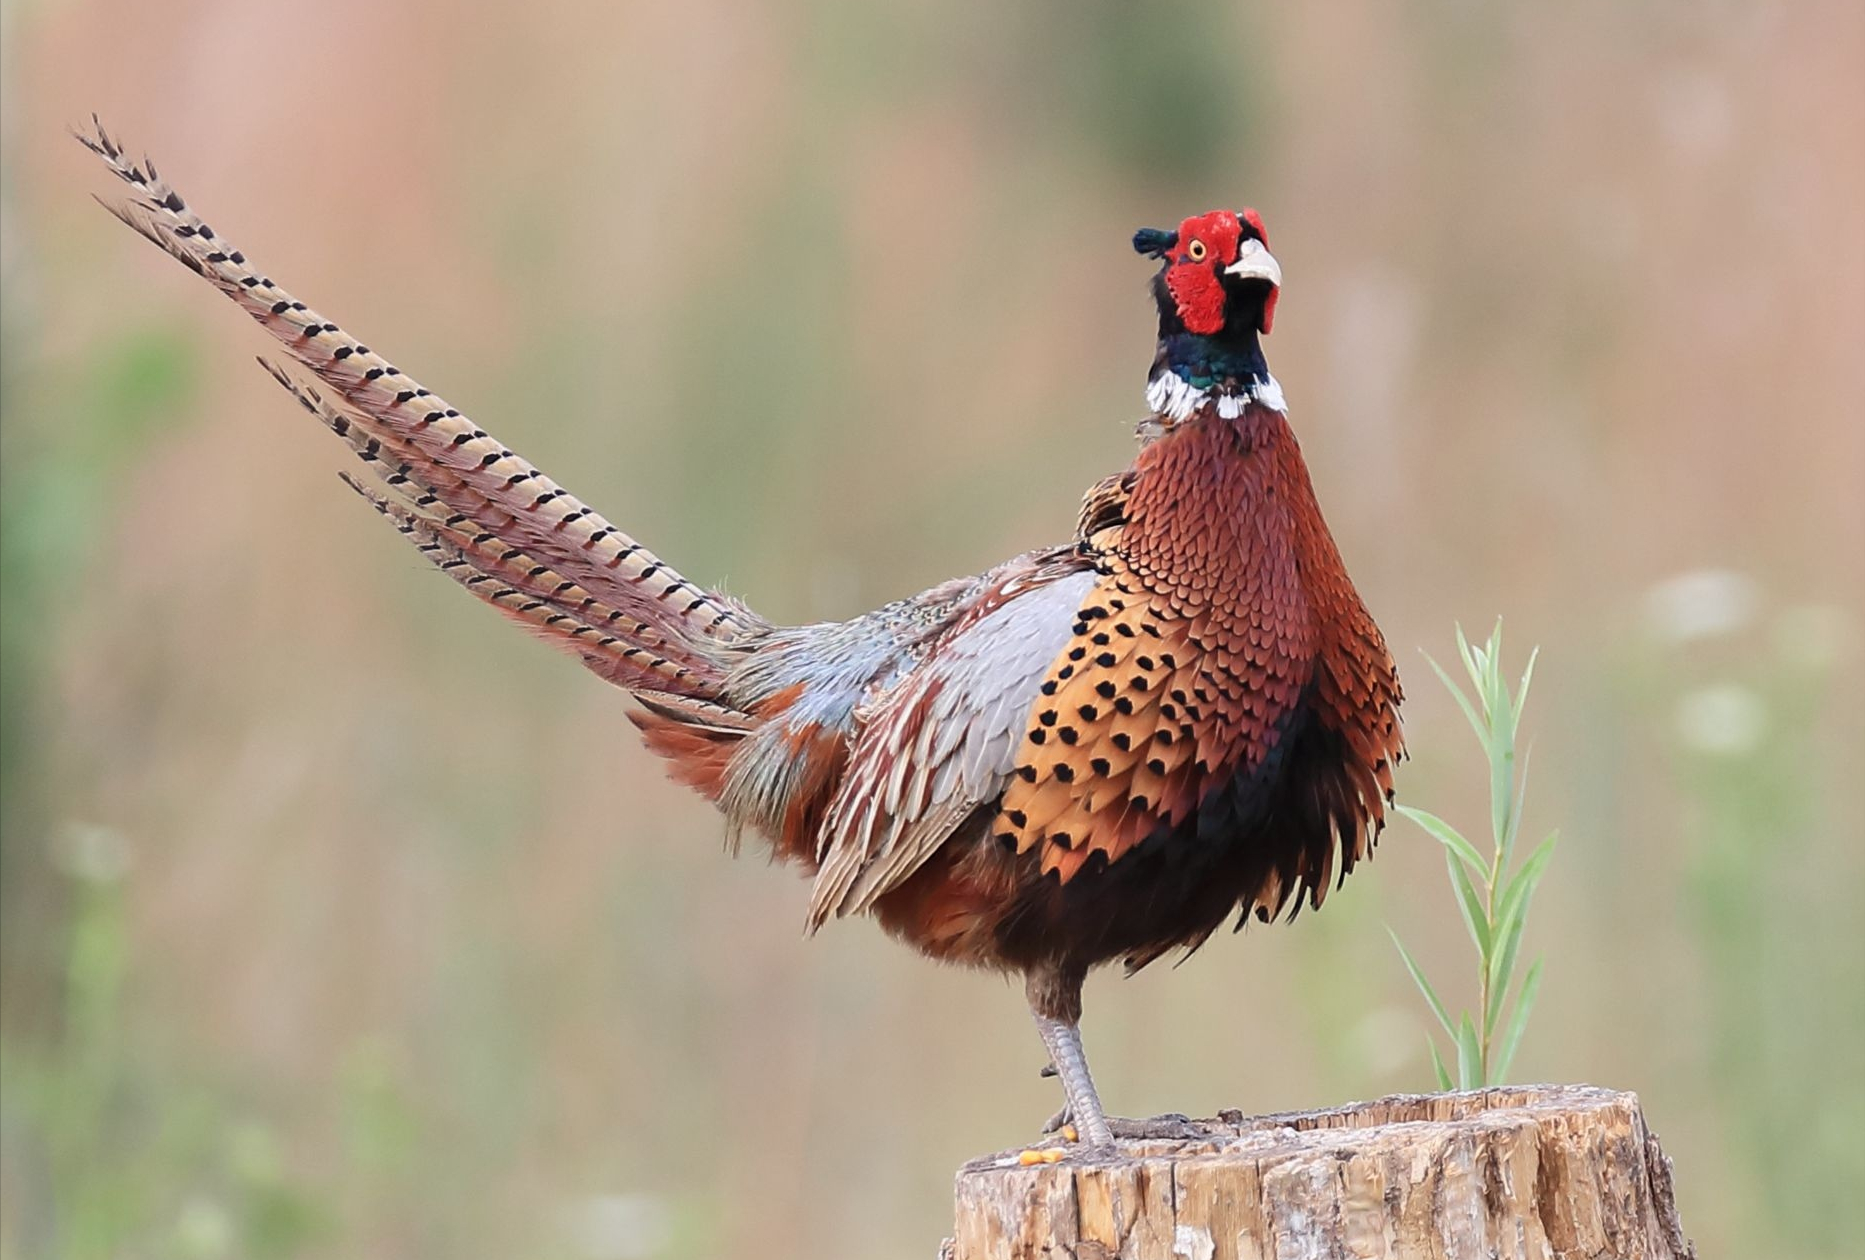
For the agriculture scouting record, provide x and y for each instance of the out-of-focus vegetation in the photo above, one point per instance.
(136, 1154)
(337, 920)
(1492, 893)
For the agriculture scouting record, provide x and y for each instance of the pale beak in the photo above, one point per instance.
(1255, 262)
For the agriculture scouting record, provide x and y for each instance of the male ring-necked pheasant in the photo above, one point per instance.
(1093, 751)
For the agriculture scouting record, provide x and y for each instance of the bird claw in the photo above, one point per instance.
(1170, 1127)
(1065, 1130)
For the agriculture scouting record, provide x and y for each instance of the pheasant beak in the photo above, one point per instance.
(1255, 262)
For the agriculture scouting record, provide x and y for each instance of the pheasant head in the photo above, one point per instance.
(1216, 293)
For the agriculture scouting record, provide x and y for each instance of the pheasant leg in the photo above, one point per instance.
(1084, 1104)
(1055, 1004)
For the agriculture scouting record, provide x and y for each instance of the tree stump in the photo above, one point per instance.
(1537, 1171)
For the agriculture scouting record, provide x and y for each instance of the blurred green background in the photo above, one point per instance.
(340, 921)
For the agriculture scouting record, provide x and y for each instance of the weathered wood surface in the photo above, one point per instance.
(1538, 1171)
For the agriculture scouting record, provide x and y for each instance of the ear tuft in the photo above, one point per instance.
(1154, 242)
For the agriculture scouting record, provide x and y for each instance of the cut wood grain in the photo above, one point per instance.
(1531, 1172)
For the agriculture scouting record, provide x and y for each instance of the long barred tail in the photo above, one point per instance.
(484, 515)
(621, 648)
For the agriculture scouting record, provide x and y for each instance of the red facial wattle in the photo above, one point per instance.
(1199, 295)
(1204, 245)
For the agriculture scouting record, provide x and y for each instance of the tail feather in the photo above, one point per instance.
(613, 645)
(398, 465)
(504, 576)
(432, 445)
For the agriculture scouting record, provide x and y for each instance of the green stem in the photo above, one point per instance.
(1483, 1032)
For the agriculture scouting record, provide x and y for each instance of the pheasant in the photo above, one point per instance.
(1099, 750)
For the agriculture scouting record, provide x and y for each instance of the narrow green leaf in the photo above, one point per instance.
(1502, 967)
(1437, 1065)
(1512, 919)
(1470, 904)
(1521, 794)
(1446, 835)
(1424, 985)
(1463, 701)
(1501, 754)
(1498, 738)
(1469, 1056)
(1474, 665)
(1521, 692)
(1518, 1019)
(1502, 800)
(1496, 694)
(1521, 886)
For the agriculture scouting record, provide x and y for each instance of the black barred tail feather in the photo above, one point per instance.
(614, 646)
(621, 648)
(488, 518)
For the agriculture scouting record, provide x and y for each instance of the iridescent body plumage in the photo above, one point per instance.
(1096, 751)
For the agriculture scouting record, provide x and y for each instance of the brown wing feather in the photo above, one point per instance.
(941, 744)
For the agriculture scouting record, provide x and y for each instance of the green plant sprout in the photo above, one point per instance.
(1493, 901)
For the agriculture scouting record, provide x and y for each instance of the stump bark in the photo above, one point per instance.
(1538, 1171)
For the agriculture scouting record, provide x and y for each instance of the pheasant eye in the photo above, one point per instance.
(1196, 251)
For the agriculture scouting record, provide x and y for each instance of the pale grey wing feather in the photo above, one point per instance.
(942, 742)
